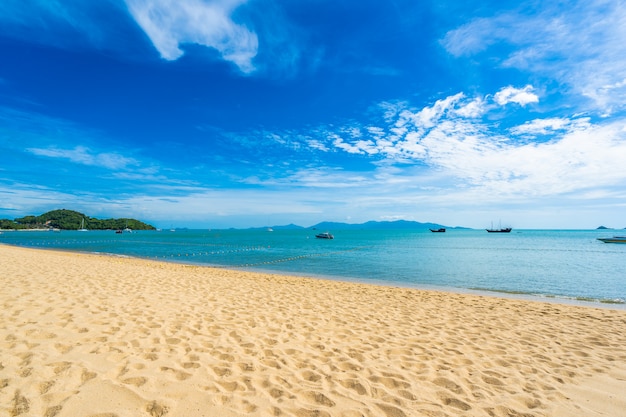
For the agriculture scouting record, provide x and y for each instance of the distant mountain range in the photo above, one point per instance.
(371, 225)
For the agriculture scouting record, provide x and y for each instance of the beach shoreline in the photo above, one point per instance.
(87, 334)
(515, 295)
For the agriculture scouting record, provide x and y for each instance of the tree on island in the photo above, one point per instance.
(71, 220)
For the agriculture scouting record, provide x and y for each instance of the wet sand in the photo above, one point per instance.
(100, 336)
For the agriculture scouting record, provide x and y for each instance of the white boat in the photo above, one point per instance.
(324, 235)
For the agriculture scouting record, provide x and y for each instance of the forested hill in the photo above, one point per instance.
(71, 220)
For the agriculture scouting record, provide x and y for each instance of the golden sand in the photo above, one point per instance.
(89, 335)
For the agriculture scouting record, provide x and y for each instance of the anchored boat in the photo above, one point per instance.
(614, 239)
(324, 235)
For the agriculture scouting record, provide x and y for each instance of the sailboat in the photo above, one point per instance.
(500, 229)
(82, 226)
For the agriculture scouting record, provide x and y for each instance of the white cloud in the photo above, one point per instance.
(545, 126)
(84, 156)
(472, 37)
(521, 96)
(316, 144)
(357, 147)
(579, 45)
(170, 23)
(41, 19)
(474, 159)
(427, 117)
(473, 109)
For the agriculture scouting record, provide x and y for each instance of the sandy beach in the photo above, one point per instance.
(100, 336)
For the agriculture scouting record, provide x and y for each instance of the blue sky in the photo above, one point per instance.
(232, 113)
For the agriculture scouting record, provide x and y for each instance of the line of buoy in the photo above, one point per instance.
(223, 252)
(207, 253)
(294, 258)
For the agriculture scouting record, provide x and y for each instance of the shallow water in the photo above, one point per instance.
(564, 264)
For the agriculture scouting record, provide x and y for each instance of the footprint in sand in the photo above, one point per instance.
(389, 382)
(492, 380)
(19, 404)
(317, 398)
(354, 385)
(230, 386)
(63, 348)
(136, 381)
(246, 367)
(180, 375)
(347, 365)
(303, 412)
(221, 371)
(311, 376)
(53, 411)
(391, 411)
(448, 384)
(453, 402)
(60, 367)
(156, 410)
(45, 386)
(190, 365)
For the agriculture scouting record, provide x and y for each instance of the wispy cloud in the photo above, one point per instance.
(576, 43)
(476, 154)
(169, 24)
(66, 24)
(85, 156)
(172, 23)
(549, 126)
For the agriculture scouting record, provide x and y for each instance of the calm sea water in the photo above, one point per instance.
(567, 265)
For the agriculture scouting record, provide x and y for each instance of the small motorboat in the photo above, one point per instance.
(614, 239)
(440, 230)
(324, 235)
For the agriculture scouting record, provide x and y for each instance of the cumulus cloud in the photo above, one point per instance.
(519, 96)
(171, 23)
(473, 109)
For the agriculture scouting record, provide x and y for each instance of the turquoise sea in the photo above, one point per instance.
(555, 264)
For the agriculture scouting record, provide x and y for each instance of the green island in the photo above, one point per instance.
(71, 220)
